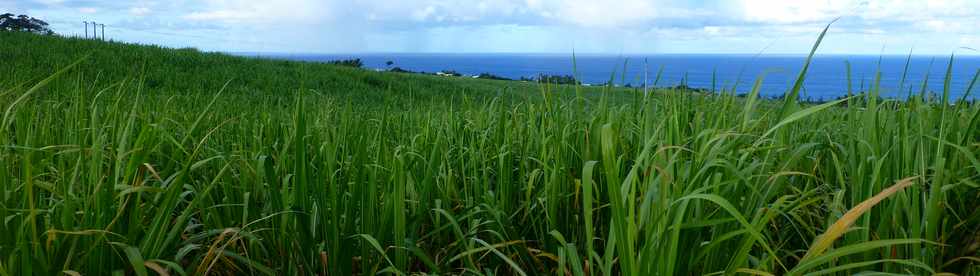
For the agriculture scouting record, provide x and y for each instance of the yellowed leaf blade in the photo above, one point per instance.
(839, 227)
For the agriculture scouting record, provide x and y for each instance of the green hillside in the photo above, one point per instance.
(141, 160)
(188, 71)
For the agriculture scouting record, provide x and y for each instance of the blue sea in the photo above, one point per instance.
(826, 79)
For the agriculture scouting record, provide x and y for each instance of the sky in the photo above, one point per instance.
(927, 27)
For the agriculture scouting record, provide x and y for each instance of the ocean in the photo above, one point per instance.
(826, 78)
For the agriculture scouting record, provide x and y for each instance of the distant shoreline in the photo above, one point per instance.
(826, 80)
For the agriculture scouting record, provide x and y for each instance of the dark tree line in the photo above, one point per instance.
(491, 77)
(554, 79)
(356, 63)
(23, 23)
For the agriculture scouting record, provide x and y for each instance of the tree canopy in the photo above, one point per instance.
(348, 62)
(23, 23)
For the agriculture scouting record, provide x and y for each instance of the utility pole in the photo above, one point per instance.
(103, 32)
(86, 28)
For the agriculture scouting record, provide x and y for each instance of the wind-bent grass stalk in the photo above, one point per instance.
(294, 168)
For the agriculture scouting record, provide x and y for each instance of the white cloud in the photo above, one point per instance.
(869, 12)
(436, 11)
(915, 10)
(513, 25)
(422, 15)
(947, 26)
(50, 2)
(586, 13)
(139, 11)
(224, 15)
(971, 41)
(591, 13)
(712, 30)
(283, 11)
(779, 11)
